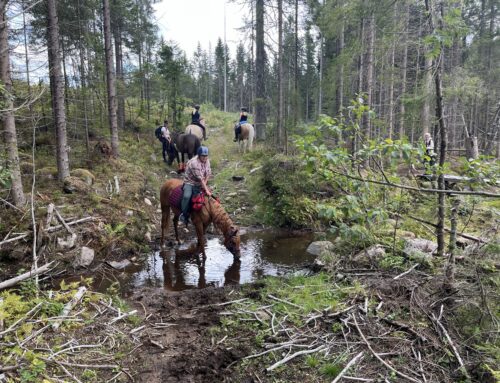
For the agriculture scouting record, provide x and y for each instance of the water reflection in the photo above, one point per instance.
(262, 253)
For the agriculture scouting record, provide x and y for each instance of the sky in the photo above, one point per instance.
(188, 22)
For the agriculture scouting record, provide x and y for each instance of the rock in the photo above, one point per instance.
(66, 243)
(119, 265)
(319, 247)
(129, 213)
(147, 202)
(84, 175)
(85, 257)
(158, 210)
(147, 236)
(75, 185)
(49, 173)
(420, 244)
(370, 256)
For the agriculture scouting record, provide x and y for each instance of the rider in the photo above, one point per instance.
(166, 139)
(197, 173)
(243, 120)
(196, 120)
(429, 149)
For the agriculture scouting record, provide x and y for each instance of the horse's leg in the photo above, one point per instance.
(176, 223)
(165, 216)
(199, 234)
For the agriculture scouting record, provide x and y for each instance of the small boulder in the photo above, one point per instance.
(147, 201)
(369, 256)
(420, 244)
(147, 236)
(75, 185)
(66, 243)
(119, 265)
(85, 257)
(319, 247)
(84, 175)
(129, 213)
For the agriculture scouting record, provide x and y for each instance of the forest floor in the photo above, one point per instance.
(382, 320)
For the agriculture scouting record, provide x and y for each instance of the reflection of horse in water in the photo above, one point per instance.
(196, 130)
(212, 211)
(245, 138)
(176, 274)
(183, 144)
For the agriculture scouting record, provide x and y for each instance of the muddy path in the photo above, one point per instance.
(178, 347)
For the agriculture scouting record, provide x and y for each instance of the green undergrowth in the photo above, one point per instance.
(35, 348)
(292, 300)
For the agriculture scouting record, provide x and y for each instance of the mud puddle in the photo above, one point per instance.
(271, 252)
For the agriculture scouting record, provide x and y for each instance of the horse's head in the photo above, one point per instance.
(232, 241)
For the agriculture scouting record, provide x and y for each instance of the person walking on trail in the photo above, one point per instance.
(243, 120)
(165, 139)
(430, 154)
(198, 171)
(196, 120)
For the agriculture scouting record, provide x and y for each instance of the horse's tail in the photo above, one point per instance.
(251, 135)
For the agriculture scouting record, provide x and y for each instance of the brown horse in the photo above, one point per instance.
(245, 139)
(212, 211)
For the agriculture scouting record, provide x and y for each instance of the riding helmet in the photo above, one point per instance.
(203, 151)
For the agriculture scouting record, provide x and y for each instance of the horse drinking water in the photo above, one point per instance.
(211, 211)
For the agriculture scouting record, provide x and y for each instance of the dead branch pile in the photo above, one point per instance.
(398, 329)
(89, 336)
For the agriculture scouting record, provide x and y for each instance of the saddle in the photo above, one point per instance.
(175, 198)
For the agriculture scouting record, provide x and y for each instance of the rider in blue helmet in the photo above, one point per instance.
(196, 176)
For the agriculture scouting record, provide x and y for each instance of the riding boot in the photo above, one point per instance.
(236, 137)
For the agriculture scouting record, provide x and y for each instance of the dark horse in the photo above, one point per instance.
(183, 144)
(212, 211)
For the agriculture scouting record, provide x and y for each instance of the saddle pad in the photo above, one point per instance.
(174, 199)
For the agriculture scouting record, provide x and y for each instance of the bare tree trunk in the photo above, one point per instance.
(340, 89)
(27, 60)
(119, 77)
(57, 90)
(8, 113)
(391, 83)
(110, 77)
(279, 125)
(426, 107)
(443, 139)
(296, 66)
(369, 73)
(260, 85)
(403, 74)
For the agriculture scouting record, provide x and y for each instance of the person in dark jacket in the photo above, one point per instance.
(243, 120)
(196, 120)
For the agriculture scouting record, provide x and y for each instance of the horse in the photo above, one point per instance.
(183, 144)
(245, 139)
(212, 211)
(196, 130)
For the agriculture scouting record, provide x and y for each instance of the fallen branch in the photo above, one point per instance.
(298, 353)
(407, 271)
(13, 281)
(284, 301)
(455, 350)
(63, 222)
(346, 368)
(69, 306)
(379, 358)
(14, 239)
(78, 221)
(122, 316)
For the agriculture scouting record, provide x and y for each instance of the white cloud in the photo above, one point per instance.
(188, 22)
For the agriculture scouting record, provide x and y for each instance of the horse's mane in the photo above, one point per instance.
(219, 217)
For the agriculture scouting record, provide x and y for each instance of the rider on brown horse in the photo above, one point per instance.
(197, 173)
(195, 119)
(243, 120)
